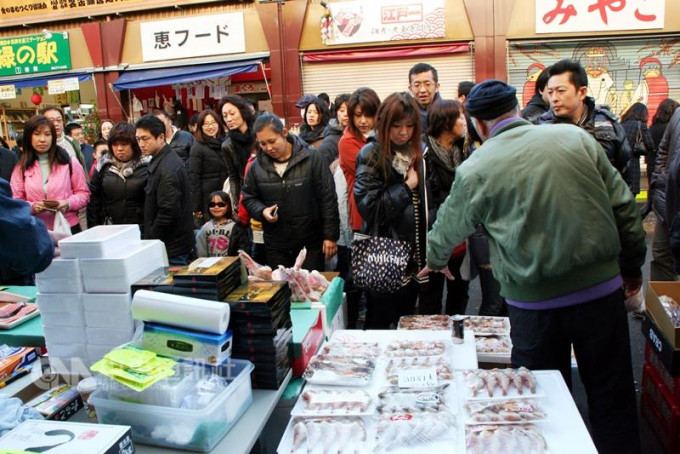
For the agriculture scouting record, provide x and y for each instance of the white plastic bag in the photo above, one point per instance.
(635, 302)
(61, 226)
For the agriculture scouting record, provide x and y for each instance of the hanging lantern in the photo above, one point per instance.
(36, 99)
(326, 24)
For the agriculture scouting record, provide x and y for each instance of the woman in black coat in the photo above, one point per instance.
(315, 118)
(118, 182)
(207, 165)
(634, 122)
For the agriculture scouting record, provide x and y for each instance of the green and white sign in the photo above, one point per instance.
(31, 54)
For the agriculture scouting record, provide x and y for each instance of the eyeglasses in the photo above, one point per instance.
(217, 204)
(212, 123)
(55, 120)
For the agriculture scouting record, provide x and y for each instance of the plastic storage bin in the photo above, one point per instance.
(192, 430)
(100, 242)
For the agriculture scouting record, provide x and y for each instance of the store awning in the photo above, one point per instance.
(183, 74)
(40, 80)
(383, 53)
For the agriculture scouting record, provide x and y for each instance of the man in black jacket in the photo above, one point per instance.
(291, 191)
(179, 141)
(167, 207)
(567, 91)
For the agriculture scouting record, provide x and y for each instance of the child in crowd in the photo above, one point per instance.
(213, 239)
(101, 147)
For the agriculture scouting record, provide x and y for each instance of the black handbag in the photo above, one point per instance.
(639, 148)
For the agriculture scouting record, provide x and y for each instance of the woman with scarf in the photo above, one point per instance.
(118, 182)
(239, 145)
(390, 194)
(315, 117)
(443, 153)
(207, 164)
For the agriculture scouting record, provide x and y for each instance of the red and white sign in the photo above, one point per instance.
(558, 16)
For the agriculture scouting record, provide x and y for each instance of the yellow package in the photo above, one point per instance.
(130, 357)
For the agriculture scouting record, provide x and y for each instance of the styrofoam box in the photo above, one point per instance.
(57, 350)
(196, 430)
(121, 320)
(118, 272)
(59, 302)
(62, 276)
(107, 336)
(100, 242)
(97, 352)
(63, 319)
(107, 302)
(65, 334)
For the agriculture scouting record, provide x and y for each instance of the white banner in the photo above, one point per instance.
(71, 84)
(55, 87)
(193, 37)
(386, 20)
(8, 92)
(558, 16)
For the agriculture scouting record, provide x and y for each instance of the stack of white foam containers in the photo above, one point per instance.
(84, 296)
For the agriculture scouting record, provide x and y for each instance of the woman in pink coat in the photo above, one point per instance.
(47, 178)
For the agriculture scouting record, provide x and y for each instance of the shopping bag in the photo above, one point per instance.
(61, 225)
(379, 263)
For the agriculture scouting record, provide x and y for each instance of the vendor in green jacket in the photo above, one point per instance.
(566, 242)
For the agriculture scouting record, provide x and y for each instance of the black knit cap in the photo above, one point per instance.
(491, 99)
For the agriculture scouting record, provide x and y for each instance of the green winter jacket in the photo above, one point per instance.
(559, 217)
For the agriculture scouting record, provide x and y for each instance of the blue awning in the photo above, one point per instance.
(40, 80)
(182, 74)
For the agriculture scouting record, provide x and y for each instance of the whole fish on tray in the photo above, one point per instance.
(328, 436)
(504, 439)
(500, 379)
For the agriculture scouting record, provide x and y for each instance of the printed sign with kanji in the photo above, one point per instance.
(558, 16)
(32, 54)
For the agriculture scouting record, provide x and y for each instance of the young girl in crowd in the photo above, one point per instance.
(316, 116)
(100, 148)
(214, 238)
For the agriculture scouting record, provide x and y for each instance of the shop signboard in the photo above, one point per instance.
(386, 20)
(59, 86)
(188, 37)
(31, 54)
(558, 16)
(8, 92)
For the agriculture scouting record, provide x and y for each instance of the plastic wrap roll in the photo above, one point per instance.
(181, 311)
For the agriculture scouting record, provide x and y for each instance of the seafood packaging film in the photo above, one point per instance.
(510, 411)
(426, 322)
(516, 438)
(500, 383)
(487, 325)
(317, 401)
(340, 370)
(327, 435)
(404, 348)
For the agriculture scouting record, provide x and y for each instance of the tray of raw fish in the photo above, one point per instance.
(485, 325)
(395, 400)
(510, 411)
(500, 383)
(407, 432)
(316, 401)
(395, 365)
(398, 349)
(504, 439)
(332, 435)
(339, 370)
(358, 349)
(427, 322)
(493, 344)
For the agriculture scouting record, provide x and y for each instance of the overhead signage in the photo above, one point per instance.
(31, 54)
(8, 92)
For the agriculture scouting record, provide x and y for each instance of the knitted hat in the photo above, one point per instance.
(304, 101)
(491, 99)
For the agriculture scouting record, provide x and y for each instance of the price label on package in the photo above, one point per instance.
(418, 378)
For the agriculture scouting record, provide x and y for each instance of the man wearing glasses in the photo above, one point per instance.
(167, 208)
(423, 83)
(72, 147)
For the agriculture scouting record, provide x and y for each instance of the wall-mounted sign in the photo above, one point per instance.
(8, 92)
(557, 16)
(193, 37)
(386, 20)
(59, 86)
(31, 54)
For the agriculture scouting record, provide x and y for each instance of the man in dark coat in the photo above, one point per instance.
(179, 141)
(8, 160)
(423, 83)
(167, 207)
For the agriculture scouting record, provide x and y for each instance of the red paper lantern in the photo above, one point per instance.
(36, 98)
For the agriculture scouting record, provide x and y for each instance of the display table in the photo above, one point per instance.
(28, 334)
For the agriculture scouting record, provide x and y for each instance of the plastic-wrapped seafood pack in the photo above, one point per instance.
(358, 349)
(428, 322)
(395, 365)
(328, 436)
(486, 325)
(500, 383)
(394, 400)
(339, 370)
(493, 344)
(414, 430)
(509, 411)
(333, 402)
(672, 309)
(398, 349)
(504, 439)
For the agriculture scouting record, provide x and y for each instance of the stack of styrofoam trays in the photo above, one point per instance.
(107, 313)
(64, 329)
(100, 242)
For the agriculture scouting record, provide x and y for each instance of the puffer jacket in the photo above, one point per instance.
(181, 144)
(331, 136)
(535, 108)
(308, 205)
(667, 169)
(207, 173)
(114, 198)
(603, 126)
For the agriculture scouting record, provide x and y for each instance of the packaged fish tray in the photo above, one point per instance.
(329, 401)
(405, 432)
(497, 344)
(404, 348)
(505, 439)
(339, 370)
(510, 411)
(355, 349)
(326, 435)
(487, 325)
(426, 322)
(500, 383)
(395, 366)
(395, 400)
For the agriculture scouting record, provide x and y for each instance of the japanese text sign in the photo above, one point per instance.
(556, 16)
(386, 20)
(193, 37)
(31, 54)
(59, 86)
(417, 378)
(8, 92)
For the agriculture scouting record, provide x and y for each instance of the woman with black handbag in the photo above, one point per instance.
(391, 197)
(634, 122)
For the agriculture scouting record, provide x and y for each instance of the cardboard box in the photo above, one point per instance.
(48, 382)
(669, 356)
(203, 348)
(72, 438)
(654, 307)
(307, 338)
(17, 359)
